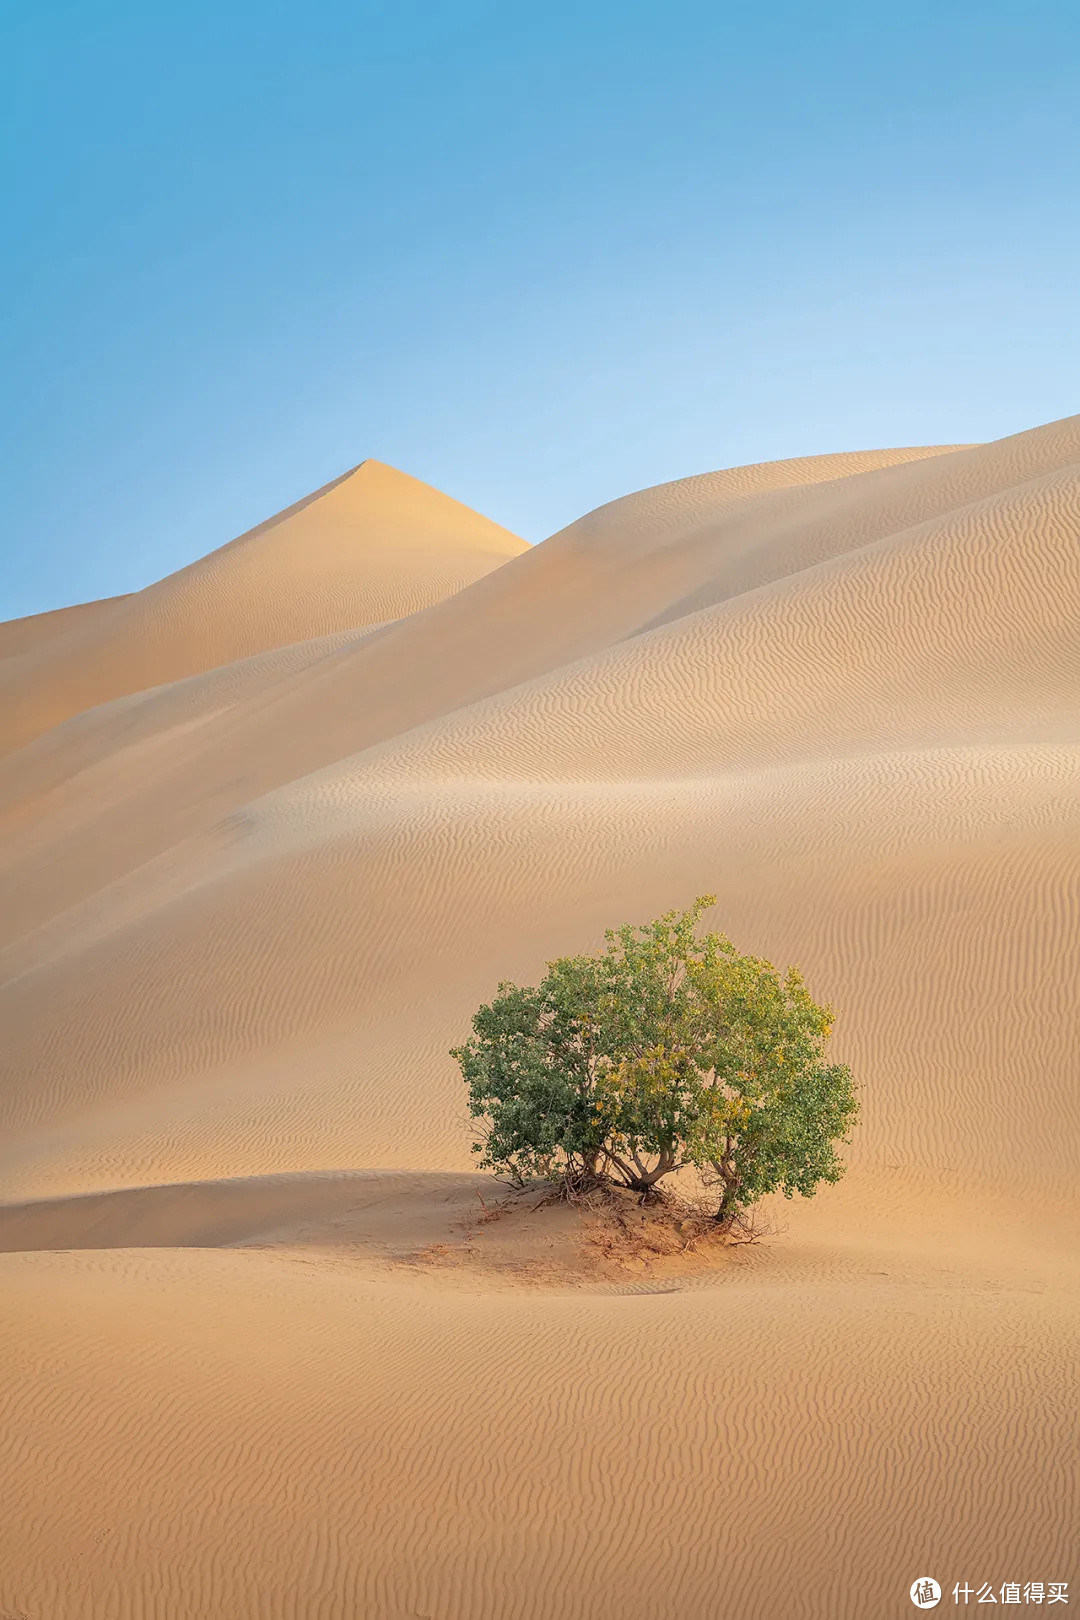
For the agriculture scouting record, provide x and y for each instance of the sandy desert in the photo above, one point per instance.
(271, 828)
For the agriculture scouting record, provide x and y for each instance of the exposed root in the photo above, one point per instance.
(587, 1231)
(750, 1226)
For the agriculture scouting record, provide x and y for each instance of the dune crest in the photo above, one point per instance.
(272, 828)
(371, 546)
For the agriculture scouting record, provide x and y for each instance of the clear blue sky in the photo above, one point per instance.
(538, 255)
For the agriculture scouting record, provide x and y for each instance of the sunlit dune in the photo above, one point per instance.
(271, 829)
(371, 546)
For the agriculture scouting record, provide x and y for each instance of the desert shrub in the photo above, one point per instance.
(666, 1049)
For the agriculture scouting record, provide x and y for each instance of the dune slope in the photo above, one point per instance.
(371, 546)
(247, 906)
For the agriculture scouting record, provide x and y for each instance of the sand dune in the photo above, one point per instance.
(18, 636)
(250, 897)
(233, 1438)
(371, 546)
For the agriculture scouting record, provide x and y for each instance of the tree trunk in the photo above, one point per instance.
(729, 1206)
(641, 1180)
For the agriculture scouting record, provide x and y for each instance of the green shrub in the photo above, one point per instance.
(664, 1050)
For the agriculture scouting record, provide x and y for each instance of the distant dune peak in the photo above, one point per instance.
(371, 546)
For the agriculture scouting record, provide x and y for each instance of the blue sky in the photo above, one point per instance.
(536, 255)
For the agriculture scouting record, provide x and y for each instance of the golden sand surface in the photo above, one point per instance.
(271, 828)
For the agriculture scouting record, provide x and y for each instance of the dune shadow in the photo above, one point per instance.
(315, 1206)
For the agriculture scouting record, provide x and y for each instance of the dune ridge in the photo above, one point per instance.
(250, 893)
(370, 546)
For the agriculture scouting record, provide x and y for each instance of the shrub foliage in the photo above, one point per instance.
(666, 1049)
